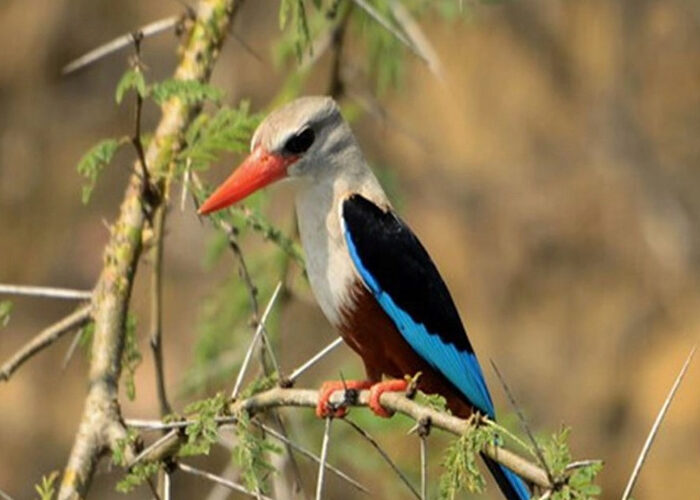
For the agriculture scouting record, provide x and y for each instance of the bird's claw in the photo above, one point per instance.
(376, 391)
(324, 407)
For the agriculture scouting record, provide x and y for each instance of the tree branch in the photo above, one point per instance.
(45, 338)
(278, 397)
(100, 424)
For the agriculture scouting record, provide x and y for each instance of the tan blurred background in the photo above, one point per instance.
(553, 176)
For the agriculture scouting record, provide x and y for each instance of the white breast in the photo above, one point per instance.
(328, 264)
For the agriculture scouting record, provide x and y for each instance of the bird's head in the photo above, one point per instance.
(296, 140)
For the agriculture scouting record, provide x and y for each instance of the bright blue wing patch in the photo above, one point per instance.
(461, 368)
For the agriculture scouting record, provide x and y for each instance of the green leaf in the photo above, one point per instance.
(250, 455)
(132, 79)
(434, 401)
(580, 484)
(460, 462)
(137, 475)
(5, 312)
(47, 488)
(229, 130)
(119, 451)
(92, 163)
(188, 91)
(203, 432)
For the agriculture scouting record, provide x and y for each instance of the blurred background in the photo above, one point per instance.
(552, 174)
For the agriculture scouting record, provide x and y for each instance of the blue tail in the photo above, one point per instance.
(512, 487)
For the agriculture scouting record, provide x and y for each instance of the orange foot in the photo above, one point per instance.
(376, 391)
(324, 408)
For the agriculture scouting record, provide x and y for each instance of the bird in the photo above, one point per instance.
(373, 279)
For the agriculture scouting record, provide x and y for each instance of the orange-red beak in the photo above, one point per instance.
(258, 170)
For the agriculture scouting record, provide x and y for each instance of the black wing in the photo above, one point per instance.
(404, 280)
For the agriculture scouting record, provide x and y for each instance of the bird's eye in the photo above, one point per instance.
(301, 142)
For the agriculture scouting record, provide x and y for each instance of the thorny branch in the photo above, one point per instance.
(100, 424)
(278, 397)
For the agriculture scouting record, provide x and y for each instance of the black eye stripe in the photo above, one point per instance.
(299, 143)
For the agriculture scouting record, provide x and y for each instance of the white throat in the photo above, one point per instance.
(318, 202)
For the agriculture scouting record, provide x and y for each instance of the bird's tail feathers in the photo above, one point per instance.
(510, 484)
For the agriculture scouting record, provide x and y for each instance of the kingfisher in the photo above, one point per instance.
(371, 276)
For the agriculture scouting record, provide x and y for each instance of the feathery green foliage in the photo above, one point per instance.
(119, 451)
(580, 484)
(433, 401)
(250, 455)
(188, 91)
(460, 462)
(227, 131)
(132, 79)
(92, 163)
(137, 475)
(47, 488)
(202, 433)
(5, 312)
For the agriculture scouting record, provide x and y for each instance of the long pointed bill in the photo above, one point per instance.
(258, 170)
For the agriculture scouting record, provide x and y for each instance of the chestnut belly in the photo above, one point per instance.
(370, 332)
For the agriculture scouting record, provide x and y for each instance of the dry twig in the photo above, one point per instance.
(46, 292)
(45, 338)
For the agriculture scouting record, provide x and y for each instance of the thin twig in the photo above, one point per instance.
(384, 455)
(119, 43)
(293, 464)
(312, 361)
(655, 428)
(5, 496)
(254, 341)
(71, 350)
(162, 445)
(310, 455)
(384, 23)
(580, 464)
(423, 467)
(324, 457)
(166, 486)
(245, 276)
(45, 338)
(136, 138)
(220, 480)
(523, 422)
(418, 39)
(156, 340)
(46, 292)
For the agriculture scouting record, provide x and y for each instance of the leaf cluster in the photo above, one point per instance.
(97, 158)
(250, 455)
(46, 489)
(226, 131)
(137, 475)
(202, 433)
(579, 485)
(460, 462)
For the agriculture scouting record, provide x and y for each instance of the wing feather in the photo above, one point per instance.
(401, 276)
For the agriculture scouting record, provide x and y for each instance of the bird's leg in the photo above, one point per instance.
(324, 408)
(376, 391)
